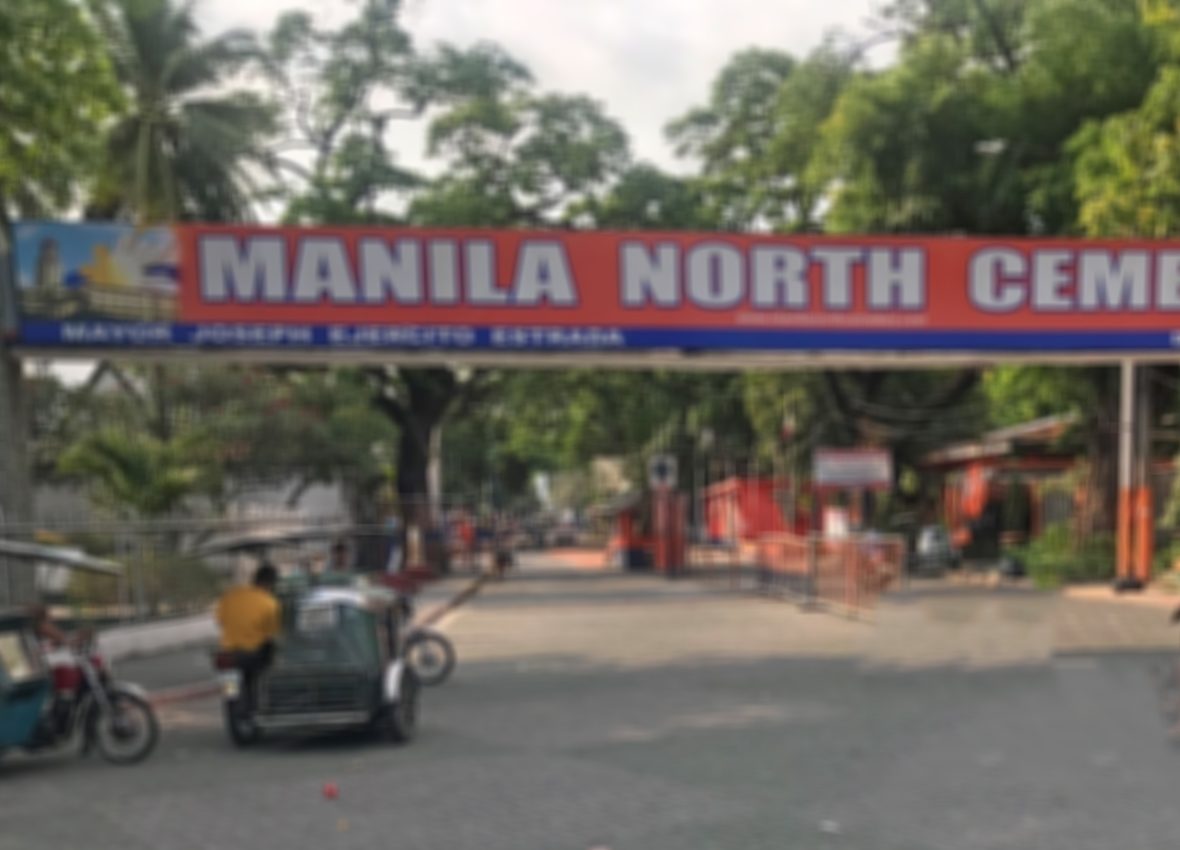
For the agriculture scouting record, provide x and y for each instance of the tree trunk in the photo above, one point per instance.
(1101, 508)
(417, 447)
(413, 474)
(412, 488)
(417, 400)
(434, 470)
(369, 549)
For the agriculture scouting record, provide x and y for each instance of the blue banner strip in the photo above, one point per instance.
(141, 335)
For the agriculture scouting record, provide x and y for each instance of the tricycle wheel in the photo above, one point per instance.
(127, 732)
(400, 719)
(431, 656)
(242, 730)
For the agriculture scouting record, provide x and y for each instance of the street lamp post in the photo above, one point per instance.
(790, 428)
(701, 450)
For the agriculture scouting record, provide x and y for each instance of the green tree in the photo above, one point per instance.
(1019, 393)
(237, 426)
(970, 129)
(999, 116)
(186, 147)
(480, 92)
(1128, 167)
(645, 198)
(57, 89)
(757, 139)
(344, 90)
(732, 136)
(135, 475)
(139, 477)
(900, 147)
(513, 156)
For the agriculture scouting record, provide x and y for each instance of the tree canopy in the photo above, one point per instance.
(57, 91)
(184, 145)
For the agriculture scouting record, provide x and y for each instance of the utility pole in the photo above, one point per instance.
(17, 586)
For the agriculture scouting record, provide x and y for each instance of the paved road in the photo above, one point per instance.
(592, 710)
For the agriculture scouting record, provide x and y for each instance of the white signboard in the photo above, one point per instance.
(316, 618)
(853, 469)
(661, 472)
(837, 524)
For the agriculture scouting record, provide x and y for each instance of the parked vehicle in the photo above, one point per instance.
(564, 536)
(934, 553)
(340, 663)
(51, 700)
(530, 536)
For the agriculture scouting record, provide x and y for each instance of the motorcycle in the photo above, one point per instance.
(502, 561)
(238, 688)
(428, 651)
(430, 654)
(116, 718)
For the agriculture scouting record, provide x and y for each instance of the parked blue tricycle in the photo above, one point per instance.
(66, 697)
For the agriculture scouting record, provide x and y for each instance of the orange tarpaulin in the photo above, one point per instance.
(743, 508)
(975, 491)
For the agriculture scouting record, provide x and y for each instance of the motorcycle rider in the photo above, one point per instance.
(250, 619)
(48, 632)
(57, 649)
(51, 635)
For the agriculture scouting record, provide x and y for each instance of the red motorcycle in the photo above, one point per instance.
(114, 717)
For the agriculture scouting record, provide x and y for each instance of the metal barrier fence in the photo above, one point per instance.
(172, 567)
(847, 574)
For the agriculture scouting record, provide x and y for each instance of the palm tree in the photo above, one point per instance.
(185, 148)
(136, 475)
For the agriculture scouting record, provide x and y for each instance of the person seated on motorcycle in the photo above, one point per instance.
(57, 649)
(51, 635)
(341, 562)
(250, 619)
(45, 629)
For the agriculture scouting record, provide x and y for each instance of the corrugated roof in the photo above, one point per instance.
(1003, 441)
(59, 556)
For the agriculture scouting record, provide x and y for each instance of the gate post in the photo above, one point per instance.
(1144, 535)
(1123, 565)
(812, 590)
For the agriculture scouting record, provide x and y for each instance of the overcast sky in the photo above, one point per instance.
(647, 60)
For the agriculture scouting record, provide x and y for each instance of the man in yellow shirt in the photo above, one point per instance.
(250, 618)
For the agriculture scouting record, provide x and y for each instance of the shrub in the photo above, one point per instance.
(1056, 557)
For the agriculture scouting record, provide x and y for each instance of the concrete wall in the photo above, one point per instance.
(139, 639)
